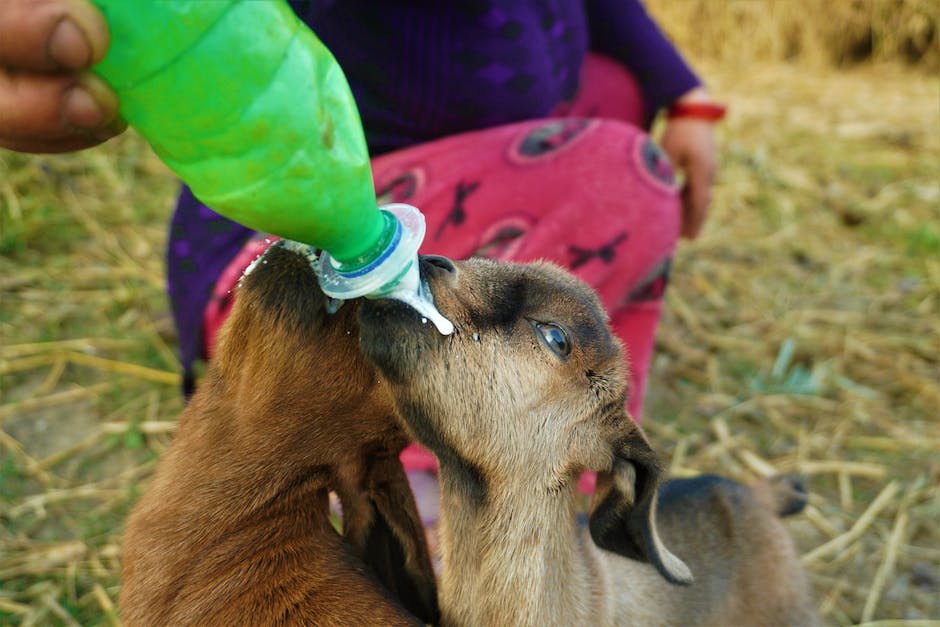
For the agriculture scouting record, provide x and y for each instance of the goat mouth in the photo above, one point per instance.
(393, 332)
(388, 317)
(394, 324)
(395, 338)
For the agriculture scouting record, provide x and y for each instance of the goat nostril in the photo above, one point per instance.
(443, 263)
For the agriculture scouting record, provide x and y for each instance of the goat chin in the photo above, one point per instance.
(234, 527)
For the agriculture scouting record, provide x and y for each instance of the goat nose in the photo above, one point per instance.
(442, 263)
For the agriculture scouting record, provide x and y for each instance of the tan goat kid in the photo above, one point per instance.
(524, 396)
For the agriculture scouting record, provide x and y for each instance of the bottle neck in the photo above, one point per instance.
(390, 271)
(387, 240)
(392, 260)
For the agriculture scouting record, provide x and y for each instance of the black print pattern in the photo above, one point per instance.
(498, 243)
(399, 189)
(552, 136)
(654, 286)
(458, 213)
(657, 163)
(605, 253)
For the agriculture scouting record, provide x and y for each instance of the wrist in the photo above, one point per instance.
(704, 111)
(696, 104)
(696, 94)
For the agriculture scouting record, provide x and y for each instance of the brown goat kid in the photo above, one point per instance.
(526, 394)
(234, 528)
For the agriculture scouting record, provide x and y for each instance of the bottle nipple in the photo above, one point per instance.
(393, 273)
(422, 301)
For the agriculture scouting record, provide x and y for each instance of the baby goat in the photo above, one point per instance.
(524, 396)
(235, 528)
(747, 571)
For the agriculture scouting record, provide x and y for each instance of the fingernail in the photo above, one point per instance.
(81, 110)
(68, 46)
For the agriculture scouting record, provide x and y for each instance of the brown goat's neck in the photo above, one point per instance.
(220, 470)
(512, 558)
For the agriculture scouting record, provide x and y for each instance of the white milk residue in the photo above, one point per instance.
(251, 266)
(422, 301)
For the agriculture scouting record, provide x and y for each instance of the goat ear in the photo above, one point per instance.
(623, 510)
(395, 543)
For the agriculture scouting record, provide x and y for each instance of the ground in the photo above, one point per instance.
(801, 334)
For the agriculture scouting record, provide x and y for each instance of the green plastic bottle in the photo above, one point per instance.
(243, 102)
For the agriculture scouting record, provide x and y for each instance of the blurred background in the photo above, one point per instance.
(801, 331)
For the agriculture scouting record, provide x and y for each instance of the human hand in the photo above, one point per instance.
(49, 101)
(690, 144)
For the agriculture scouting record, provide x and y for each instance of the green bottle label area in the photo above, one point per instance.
(247, 106)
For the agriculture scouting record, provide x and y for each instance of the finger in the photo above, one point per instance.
(51, 35)
(67, 144)
(50, 107)
(696, 197)
(690, 225)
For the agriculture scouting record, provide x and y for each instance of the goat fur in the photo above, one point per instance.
(526, 394)
(234, 527)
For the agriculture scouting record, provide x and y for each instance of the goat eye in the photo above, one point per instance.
(555, 337)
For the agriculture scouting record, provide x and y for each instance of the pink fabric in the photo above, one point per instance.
(588, 191)
(220, 304)
(605, 90)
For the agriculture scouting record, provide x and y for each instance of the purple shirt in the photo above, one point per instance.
(424, 69)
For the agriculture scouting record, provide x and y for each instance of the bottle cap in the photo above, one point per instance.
(394, 269)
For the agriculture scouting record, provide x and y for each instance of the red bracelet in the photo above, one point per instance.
(708, 111)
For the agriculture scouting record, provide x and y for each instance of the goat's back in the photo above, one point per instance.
(280, 575)
(745, 564)
(208, 545)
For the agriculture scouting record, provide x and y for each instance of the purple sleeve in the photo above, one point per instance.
(622, 30)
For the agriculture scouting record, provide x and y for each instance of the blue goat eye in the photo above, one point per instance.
(555, 337)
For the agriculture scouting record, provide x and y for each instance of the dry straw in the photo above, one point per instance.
(799, 334)
(811, 32)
